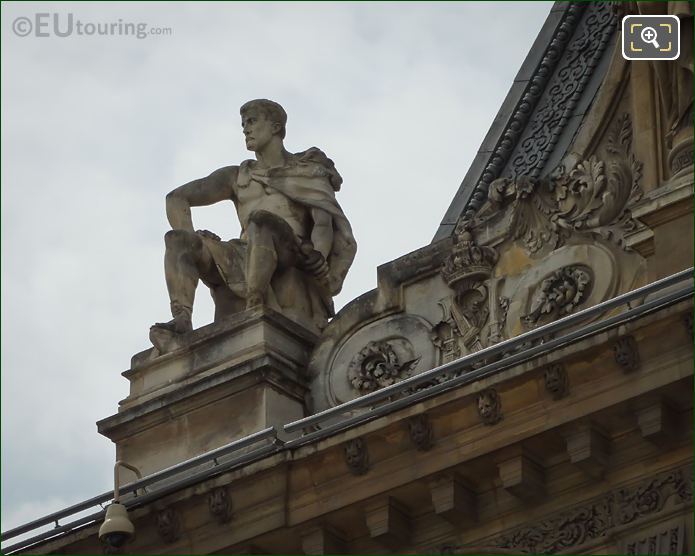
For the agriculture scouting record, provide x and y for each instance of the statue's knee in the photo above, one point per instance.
(180, 239)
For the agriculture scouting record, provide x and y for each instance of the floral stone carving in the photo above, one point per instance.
(560, 294)
(377, 365)
(600, 516)
(591, 198)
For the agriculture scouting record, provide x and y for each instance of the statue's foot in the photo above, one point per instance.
(175, 325)
(168, 336)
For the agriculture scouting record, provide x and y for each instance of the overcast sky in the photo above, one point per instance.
(97, 129)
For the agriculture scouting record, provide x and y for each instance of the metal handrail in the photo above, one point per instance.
(492, 368)
(270, 432)
(456, 381)
(485, 353)
(144, 499)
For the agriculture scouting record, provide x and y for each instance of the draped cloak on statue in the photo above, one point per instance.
(309, 179)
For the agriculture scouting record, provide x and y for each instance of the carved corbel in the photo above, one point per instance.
(388, 523)
(220, 505)
(356, 456)
(588, 449)
(626, 354)
(168, 525)
(658, 422)
(556, 381)
(522, 477)
(489, 406)
(453, 499)
(322, 539)
(420, 431)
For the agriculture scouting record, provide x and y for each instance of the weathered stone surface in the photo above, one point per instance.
(279, 197)
(235, 377)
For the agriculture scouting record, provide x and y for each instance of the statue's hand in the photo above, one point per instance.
(208, 234)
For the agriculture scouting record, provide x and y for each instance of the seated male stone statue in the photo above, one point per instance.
(296, 245)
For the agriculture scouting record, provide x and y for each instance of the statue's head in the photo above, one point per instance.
(262, 120)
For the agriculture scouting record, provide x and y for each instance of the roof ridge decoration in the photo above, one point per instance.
(531, 133)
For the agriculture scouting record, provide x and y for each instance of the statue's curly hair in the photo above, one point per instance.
(272, 111)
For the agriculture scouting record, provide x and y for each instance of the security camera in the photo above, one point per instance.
(117, 529)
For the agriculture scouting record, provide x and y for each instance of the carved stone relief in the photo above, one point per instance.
(497, 327)
(378, 365)
(376, 354)
(557, 284)
(489, 406)
(591, 199)
(420, 431)
(556, 380)
(356, 456)
(652, 495)
(446, 338)
(600, 516)
(670, 539)
(626, 354)
(220, 505)
(168, 525)
(559, 294)
(466, 313)
(564, 70)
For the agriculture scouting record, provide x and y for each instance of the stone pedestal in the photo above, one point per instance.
(230, 379)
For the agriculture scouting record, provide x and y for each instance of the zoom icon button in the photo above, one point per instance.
(651, 37)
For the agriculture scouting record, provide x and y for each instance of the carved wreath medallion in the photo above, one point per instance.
(377, 365)
(560, 294)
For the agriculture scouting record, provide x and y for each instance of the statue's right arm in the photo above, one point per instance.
(217, 187)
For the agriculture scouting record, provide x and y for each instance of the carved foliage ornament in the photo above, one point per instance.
(590, 199)
(377, 365)
(591, 40)
(597, 518)
(560, 294)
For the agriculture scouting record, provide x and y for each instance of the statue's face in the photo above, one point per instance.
(257, 129)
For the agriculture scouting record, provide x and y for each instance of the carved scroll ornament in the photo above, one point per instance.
(590, 199)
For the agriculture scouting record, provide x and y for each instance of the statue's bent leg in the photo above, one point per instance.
(185, 261)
